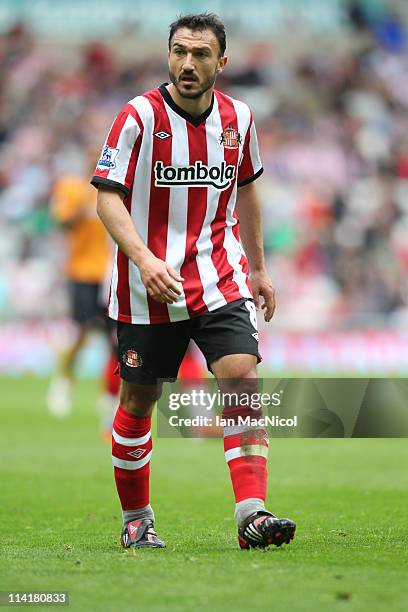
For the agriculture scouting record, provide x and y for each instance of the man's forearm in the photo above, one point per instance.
(250, 219)
(119, 224)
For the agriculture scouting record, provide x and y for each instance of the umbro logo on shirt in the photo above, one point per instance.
(162, 135)
(197, 175)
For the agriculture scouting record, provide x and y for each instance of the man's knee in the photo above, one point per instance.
(237, 379)
(139, 399)
(239, 367)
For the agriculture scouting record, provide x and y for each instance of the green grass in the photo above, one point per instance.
(61, 519)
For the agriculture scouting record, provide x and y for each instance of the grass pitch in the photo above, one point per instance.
(60, 519)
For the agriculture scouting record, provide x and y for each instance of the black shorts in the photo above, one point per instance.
(86, 308)
(155, 351)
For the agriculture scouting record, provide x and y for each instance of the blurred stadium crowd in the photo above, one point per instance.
(332, 122)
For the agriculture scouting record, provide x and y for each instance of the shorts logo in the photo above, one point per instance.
(107, 159)
(230, 138)
(132, 359)
(199, 175)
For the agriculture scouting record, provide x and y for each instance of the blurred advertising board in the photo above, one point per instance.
(32, 348)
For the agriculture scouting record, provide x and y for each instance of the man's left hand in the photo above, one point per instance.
(262, 286)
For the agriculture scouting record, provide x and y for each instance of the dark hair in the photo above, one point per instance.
(202, 21)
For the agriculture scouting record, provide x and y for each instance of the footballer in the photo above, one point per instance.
(176, 191)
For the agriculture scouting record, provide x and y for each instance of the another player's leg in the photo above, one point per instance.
(84, 308)
(246, 452)
(191, 367)
(59, 395)
(131, 452)
(108, 399)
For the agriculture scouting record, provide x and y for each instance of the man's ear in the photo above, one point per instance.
(222, 63)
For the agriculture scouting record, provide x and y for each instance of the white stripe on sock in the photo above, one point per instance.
(131, 465)
(244, 451)
(131, 441)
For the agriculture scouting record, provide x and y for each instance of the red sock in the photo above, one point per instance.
(190, 367)
(246, 453)
(131, 451)
(111, 376)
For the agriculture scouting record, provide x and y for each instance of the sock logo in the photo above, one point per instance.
(137, 453)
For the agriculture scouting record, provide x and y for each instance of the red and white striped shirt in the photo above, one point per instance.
(180, 176)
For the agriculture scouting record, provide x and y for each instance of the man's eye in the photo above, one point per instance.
(179, 52)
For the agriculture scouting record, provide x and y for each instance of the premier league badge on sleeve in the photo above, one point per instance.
(107, 159)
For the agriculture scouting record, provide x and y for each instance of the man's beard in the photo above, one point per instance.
(192, 95)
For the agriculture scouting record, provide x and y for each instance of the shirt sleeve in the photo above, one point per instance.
(117, 163)
(250, 167)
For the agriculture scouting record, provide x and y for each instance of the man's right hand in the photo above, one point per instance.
(160, 280)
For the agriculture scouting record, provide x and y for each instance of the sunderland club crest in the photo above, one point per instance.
(230, 138)
(132, 359)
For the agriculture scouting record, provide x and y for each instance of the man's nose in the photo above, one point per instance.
(188, 62)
